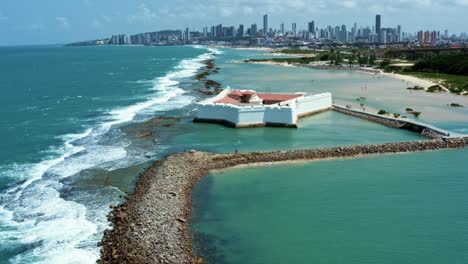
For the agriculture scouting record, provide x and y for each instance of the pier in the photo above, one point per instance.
(424, 129)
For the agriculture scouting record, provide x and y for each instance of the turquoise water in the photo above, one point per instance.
(70, 144)
(381, 92)
(322, 130)
(62, 114)
(405, 208)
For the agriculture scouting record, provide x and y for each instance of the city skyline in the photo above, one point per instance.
(267, 36)
(81, 20)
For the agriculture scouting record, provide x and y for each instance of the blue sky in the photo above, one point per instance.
(60, 21)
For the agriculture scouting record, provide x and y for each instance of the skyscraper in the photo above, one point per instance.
(343, 34)
(398, 33)
(265, 24)
(312, 27)
(253, 30)
(187, 34)
(421, 37)
(354, 32)
(240, 31)
(219, 31)
(378, 28)
(294, 29)
(282, 28)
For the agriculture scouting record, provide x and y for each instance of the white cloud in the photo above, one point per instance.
(63, 22)
(144, 15)
(349, 4)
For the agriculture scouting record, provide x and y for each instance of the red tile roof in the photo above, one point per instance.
(234, 97)
(227, 100)
(278, 97)
(235, 93)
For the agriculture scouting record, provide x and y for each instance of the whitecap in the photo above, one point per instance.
(33, 211)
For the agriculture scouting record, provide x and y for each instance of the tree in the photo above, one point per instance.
(372, 59)
(385, 63)
(338, 58)
(363, 60)
(351, 59)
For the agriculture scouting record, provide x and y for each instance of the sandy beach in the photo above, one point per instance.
(414, 80)
(242, 48)
(410, 80)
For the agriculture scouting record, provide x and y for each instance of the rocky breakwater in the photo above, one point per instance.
(152, 226)
(407, 124)
(209, 87)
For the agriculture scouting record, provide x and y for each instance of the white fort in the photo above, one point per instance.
(247, 108)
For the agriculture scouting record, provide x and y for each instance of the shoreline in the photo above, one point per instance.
(152, 225)
(406, 78)
(242, 48)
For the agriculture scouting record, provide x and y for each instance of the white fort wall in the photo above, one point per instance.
(240, 115)
(280, 115)
(310, 104)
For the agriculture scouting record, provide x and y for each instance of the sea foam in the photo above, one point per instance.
(56, 230)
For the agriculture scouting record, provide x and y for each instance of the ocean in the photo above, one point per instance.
(79, 124)
(62, 114)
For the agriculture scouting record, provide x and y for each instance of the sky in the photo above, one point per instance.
(29, 22)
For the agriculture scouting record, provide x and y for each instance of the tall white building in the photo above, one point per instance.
(265, 24)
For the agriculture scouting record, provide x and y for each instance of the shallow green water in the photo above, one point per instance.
(406, 208)
(381, 92)
(321, 130)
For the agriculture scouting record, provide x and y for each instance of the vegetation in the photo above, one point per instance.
(296, 51)
(334, 57)
(412, 112)
(385, 63)
(452, 63)
(455, 83)
(384, 112)
(435, 89)
(455, 105)
(301, 60)
(448, 69)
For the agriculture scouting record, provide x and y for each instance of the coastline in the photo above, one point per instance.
(406, 78)
(152, 226)
(241, 48)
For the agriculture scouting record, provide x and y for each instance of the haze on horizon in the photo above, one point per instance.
(27, 22)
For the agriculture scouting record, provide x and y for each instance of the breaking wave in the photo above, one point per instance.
(43, 226)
